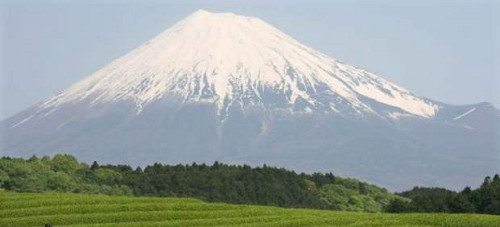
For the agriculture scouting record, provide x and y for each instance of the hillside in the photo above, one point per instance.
(215, 183)
(27, 209)
(240, 184)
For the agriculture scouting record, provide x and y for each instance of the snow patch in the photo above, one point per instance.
(464, 114)
(21, 122)
(398, 115)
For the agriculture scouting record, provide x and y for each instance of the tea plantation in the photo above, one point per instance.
(58, 209)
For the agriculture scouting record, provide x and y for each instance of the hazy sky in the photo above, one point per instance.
(445, 50)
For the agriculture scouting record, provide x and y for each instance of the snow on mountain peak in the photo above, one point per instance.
(227, 59)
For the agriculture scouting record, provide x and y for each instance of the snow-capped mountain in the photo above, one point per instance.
(227, 60)
(218, 86)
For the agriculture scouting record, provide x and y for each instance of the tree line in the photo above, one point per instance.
(239, 184)
(485, 199)
(218, 182)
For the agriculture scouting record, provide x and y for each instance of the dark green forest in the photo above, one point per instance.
(239, 184)
(485, 199)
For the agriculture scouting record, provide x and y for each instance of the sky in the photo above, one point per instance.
(448, 51)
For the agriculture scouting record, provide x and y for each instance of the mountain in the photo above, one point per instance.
(218, 86)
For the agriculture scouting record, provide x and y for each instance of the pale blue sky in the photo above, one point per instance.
(445, 50)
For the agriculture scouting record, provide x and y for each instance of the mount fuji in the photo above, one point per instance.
(219, 86)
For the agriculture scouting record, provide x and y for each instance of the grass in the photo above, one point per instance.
(26, 209)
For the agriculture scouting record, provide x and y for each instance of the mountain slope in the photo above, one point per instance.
(235, 89)
(227, 60)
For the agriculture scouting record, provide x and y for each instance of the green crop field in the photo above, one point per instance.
(24, 209)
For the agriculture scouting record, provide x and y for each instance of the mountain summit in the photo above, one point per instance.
(231, 60)
(223, 87)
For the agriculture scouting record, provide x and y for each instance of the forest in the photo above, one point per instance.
(239, 184)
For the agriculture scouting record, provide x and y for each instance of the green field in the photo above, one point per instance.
(26, 209)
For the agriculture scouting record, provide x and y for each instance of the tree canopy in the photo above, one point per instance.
(238, 184)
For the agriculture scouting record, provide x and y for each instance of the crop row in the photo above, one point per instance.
(109, 208)
(65, 200)
(134, 216)
(229, 221)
